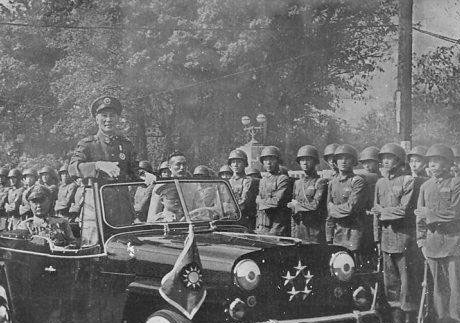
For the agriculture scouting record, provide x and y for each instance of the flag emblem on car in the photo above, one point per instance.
(192, 276)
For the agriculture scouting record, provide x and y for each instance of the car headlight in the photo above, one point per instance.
(246, 274)
(342, 265)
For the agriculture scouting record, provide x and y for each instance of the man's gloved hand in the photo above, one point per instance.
(110, 168)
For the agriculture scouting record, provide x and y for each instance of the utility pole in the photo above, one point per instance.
(404, 91)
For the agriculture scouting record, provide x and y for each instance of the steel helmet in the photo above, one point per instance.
(440, 150)
(271, 151)
(347, 149)
(238, 154)
(252, 171)
(394, 149)
(163, 165)
(46, 169)
(308, 151)
(4, 171)
(456, 151)
(29, 171)
(63, 169)
(417, 151)
(225, 169)
(15, 173)
(201, 170)
(145, 165)
(329, 150)
(369, 153)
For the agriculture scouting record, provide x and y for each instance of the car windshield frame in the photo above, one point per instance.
(178, 185)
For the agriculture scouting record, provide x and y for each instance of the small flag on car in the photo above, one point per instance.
(183, 287)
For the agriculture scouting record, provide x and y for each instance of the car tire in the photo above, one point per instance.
(167, 316)
(5, 315)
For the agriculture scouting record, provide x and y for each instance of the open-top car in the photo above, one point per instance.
(130, 236)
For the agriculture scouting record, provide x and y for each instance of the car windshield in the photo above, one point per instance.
(166, 202)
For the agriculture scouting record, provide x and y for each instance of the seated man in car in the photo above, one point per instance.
(44, 222)
(165, 205)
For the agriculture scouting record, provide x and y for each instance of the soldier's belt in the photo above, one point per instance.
(444, 227)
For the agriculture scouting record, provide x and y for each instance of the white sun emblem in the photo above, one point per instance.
(301, 279)
(191, 276)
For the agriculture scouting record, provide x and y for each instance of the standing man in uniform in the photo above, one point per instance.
(309, 199)
(395, 232)
(14, 198)
(346, 203)
(438, 231)
(369, 159)
(66, 194)
(30, 177)
(48, 178)
(417, 162)
(244, 187)
(273, 215)
(4, 188)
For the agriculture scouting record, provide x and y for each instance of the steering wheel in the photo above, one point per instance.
(204, 213)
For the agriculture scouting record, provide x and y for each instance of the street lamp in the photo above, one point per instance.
(253, 129)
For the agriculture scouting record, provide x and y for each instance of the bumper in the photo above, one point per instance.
(356, 316)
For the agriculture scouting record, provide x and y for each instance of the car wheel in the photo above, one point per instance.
(4, 308)
(167, 316)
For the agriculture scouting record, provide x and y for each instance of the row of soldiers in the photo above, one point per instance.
(405, 206)
(17, 185)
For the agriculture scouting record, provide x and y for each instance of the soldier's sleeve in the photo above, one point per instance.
(376, 221)
(401, 210)
(452, 211)
(67, 198)
(279, 196)
(330, 225)
(18, 199)
(248, 193)
(356, 201)
(420, 221)
(81, 164)
(25, 205)
(319, 197)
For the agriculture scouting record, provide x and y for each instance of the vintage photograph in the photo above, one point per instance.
(224, 161)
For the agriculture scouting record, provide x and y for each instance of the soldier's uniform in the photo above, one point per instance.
(4, 188)
(329, 151)
(273, 215)
(24, 209)
(309, 207)
(50, 185)
(395, 230)
(14, 200)
(66, 195)
(346, 201)
(116, 148)
(438, 233)
(245, 189)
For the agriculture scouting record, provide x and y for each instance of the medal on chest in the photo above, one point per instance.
(121, 155)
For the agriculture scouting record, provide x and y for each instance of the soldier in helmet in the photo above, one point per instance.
(395, 231)
(4, 188)
(29, 178)
(273, 215)
(417, 161)
(14, 198)
(346, 203)
(201, 172)
(225, 172)
(456, 165)
(329, 158)
(66, 194)
(48, 178)
(244, 187)
(108, 155)
(369, 159)
(253, 172)
(438, 231)
(163, 170)
(309, 199)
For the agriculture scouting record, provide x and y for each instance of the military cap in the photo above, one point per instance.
(163, 165)
(63, 169)
(347, 149)
(201, 170)
(225, 169)
(307, 151)
(440, 150)
(394, 149)
(329, 150)
(46, 169)
(369, 153)
(417, 151)
(238, 154)
(105, 102)
(271, 151)
(29, 171)
(4, 171)
(39, 192)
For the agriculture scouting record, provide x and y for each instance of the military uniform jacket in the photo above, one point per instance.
(438, 217)
(346, 206)
(24, 208)
(54, 190)
(245, 190)
(311, 194)
(395, 227)
(55, 228)
(3, 199)
(273, 192)
(66, 195)
(76, 205)
(14, 201)
(103, 148)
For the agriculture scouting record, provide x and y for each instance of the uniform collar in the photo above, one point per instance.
(343, 177)
(108, 139)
